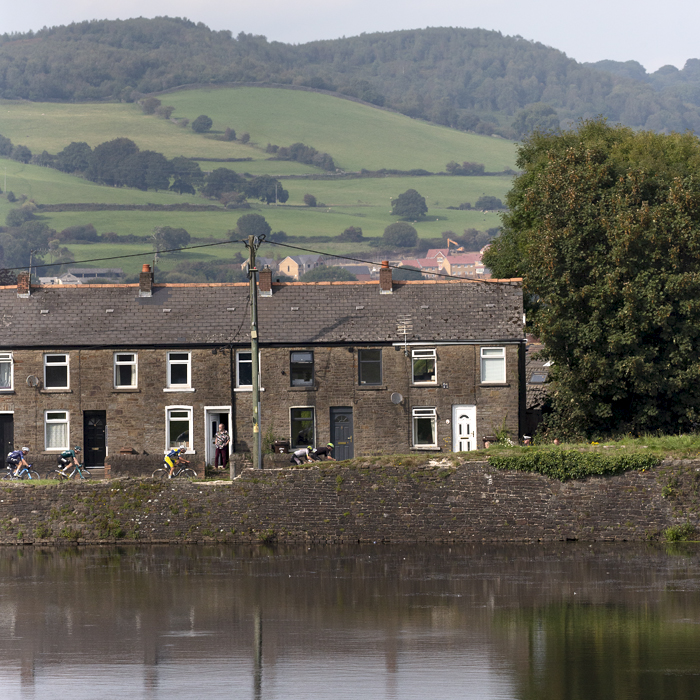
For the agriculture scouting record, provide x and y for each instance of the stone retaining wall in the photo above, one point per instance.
(334, 503)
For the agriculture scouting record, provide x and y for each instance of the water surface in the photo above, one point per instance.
(525, 622)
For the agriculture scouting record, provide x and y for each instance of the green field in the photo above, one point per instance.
(356, 135)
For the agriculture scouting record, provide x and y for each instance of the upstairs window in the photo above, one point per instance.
(6, 371)
(56, 372)
(424, 366)
(125, 370)
(244, 369)
(493, 365)
(369, 363)
(179, 370)
(301, 368)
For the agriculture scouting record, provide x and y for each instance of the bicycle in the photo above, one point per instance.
(185, 472)
(62, 475)
(24, 473)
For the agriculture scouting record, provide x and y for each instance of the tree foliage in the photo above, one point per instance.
(409, 205)
(400, 235)
(604, 227)
(267, 189)
(456, 77)
(352, 234)
(168, 238)
(202, 124)
(252, 225)
(75, 157)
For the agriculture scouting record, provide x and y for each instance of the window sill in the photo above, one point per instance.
(187, 452)
(55, 391)
(7, 391)
(54, 451)
(426, 448)
(372, 387)
(245, 390)
(426, 385)
(130, 390)
(183, 390)
(302, 388)
(491, 384)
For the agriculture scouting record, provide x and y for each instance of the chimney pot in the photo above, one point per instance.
(145, 267)
(386, 285)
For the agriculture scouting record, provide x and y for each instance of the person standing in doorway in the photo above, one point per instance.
(221, 441)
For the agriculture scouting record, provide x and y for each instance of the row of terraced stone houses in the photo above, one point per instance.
(371, 366)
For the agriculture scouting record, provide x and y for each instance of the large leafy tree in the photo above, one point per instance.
(604, 227)
(409, 205)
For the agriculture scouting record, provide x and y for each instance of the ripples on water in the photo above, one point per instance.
(528, 622)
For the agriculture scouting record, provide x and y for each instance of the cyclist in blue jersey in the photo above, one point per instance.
(173, 458)
(68, 458)
(17, 459)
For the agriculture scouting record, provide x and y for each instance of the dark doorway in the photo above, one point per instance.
(341, 432)
(7, 433)
(95, 438)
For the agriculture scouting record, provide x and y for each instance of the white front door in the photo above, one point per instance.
(212, 417)
(463, 428)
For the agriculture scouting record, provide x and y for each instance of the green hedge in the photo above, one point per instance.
(572, 464)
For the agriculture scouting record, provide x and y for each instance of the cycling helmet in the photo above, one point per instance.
(182, 448)
(77, 448)
(25, 449)
(330, 444)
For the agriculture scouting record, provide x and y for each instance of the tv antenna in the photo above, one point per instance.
(404, 326)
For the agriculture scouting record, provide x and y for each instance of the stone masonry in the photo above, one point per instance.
(329, 503)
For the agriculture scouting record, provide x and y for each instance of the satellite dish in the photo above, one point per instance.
(32, 381)
(396, 398)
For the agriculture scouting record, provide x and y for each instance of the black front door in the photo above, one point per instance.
(7, 433)
(95, 438)
(341, 432)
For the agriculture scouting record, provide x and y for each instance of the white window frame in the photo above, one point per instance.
(422, 413)
(65, 364)
(244, 387)
(488, 355)
(7, 357)
(190, 419)
(119, 363)
(423, 354)
(55, 421)
(169, 386)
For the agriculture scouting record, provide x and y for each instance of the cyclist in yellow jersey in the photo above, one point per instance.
(173, 458)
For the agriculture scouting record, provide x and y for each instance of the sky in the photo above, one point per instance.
(652, 34)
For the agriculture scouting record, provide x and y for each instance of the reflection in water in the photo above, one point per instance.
(489, 622)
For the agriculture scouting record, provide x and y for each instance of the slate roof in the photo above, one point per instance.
(321, 313)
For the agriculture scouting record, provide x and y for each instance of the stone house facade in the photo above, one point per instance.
(373, 367)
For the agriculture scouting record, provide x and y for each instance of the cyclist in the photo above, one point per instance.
(303, 453)
(17, 459)
(68, 458)
(326, 452)
(173, 458)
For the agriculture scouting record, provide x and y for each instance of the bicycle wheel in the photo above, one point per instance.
(161, 474)
(28, 474)
(7, 475)
(188, 473)
(82, 474)
(54, 474)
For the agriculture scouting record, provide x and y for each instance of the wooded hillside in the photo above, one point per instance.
(470, 79)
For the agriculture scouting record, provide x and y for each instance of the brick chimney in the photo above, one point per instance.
(386, 285)
(146, 281)
(265, 282)
(23, 286)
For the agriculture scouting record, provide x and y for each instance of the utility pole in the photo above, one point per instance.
(253, 244)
